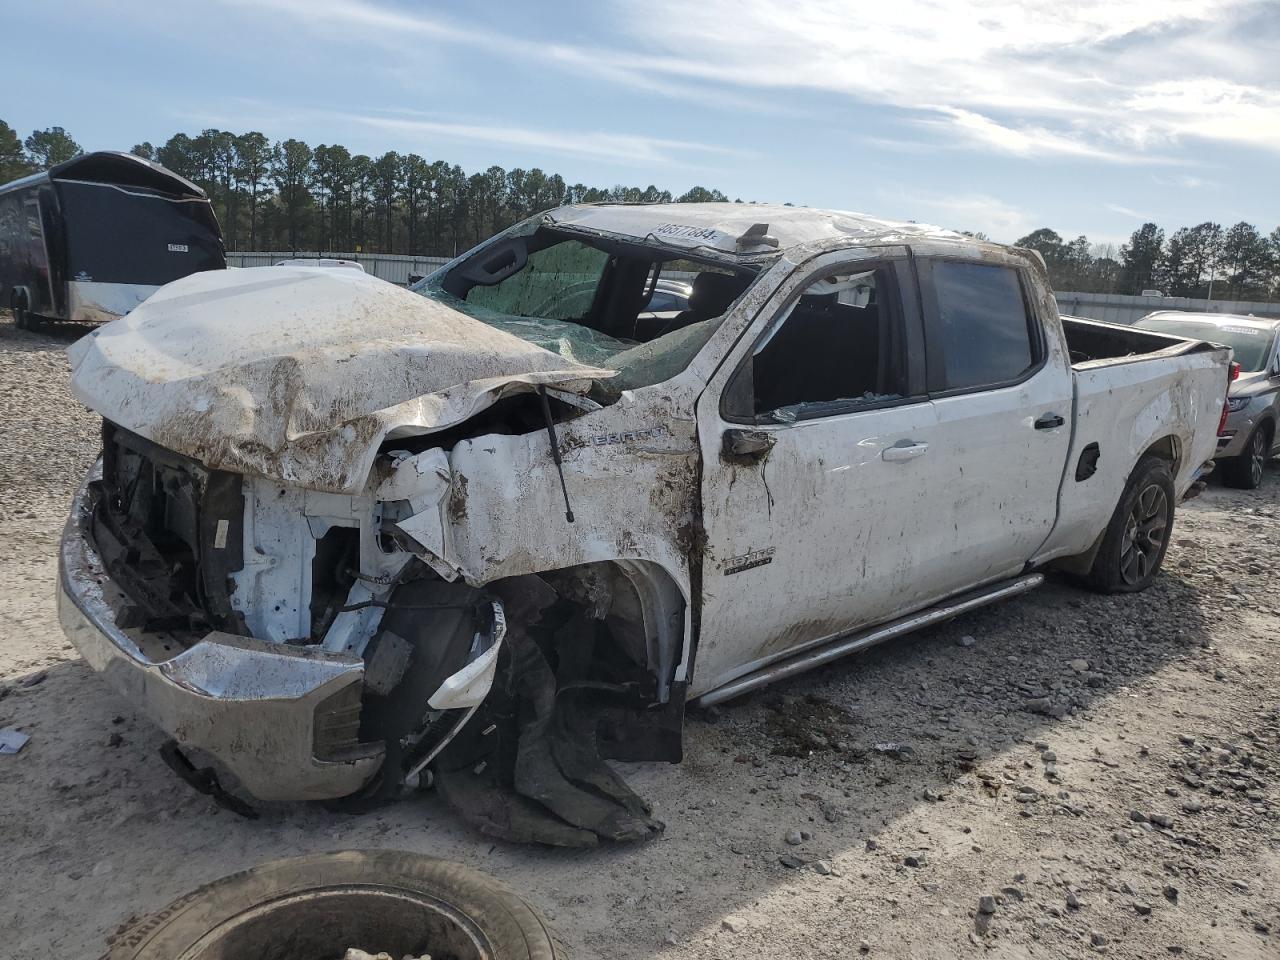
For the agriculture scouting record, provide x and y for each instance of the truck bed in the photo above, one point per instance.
(1093, 342)
(1135, 391)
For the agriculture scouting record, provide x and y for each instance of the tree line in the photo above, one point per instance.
(1205, 261)
(289, 195)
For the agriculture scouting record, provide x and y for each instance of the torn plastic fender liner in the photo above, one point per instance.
(470, 685)
(424, 482)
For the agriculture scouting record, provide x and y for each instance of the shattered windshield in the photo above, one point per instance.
(588, 300)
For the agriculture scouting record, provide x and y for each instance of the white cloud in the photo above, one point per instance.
(1024, 141)
(1088, 79)
(1186, 182)
(617, 147)
(973, 212)
(1123, 210)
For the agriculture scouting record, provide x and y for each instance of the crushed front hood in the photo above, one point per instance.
(299, 374)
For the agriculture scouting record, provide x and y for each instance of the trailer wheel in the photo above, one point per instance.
(1137, 537)
(404, 904)
(21, 315)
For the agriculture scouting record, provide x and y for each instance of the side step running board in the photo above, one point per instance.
(841, 646)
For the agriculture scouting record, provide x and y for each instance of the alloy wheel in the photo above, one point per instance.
(1257, 456)
(1144, 534)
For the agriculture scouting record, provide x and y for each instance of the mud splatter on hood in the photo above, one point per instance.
(299, 374)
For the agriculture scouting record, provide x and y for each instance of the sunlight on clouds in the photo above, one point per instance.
(1088, 79)
(1093, 79)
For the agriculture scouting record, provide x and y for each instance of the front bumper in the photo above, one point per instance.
(252, 705)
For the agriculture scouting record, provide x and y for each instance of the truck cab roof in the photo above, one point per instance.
(751, 231)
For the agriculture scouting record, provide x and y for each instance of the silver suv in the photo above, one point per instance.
(1248, 438)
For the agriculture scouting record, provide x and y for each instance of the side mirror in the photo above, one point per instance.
(747, 444)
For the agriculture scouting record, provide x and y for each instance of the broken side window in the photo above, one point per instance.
(837, 347)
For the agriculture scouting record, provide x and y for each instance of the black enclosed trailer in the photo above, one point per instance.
(90, 239)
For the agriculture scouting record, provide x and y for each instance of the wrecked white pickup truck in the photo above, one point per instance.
(345, 536)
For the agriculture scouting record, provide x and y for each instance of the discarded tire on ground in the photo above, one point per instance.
(316, 907)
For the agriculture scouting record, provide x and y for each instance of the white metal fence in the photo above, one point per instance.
(1112, 307)
(386, 266)
(1116, 308)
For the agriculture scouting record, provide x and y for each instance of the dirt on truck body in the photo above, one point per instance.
(346, 538)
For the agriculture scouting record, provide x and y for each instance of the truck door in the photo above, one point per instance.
(1001, 387)
(816, 497)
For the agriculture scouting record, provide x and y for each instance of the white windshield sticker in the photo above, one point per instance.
(178, 248)
(1247, 331)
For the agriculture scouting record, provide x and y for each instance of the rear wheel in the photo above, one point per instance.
(1137, 537)
(1245, 471)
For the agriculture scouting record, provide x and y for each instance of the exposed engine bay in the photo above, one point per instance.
(509, 696)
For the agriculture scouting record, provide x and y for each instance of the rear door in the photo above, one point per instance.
(817, 488)
(1001, 389)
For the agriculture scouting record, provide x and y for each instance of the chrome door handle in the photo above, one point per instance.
(904, 450)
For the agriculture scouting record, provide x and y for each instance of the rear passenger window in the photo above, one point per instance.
(980, 324)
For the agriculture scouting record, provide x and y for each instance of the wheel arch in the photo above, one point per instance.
(1168, 447)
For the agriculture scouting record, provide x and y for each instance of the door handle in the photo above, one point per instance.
(1049, 421)
(904, 450)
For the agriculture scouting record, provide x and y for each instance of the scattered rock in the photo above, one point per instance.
(987, 904)
(915, 860)
(794, 837)
(966, 641)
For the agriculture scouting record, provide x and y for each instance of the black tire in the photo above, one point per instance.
(320, 905)
(1245, 471)
(1137, 537)
(21, 315)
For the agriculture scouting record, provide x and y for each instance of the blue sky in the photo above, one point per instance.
(992, 115)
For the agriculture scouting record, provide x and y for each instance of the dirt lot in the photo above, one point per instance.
(1106, 769)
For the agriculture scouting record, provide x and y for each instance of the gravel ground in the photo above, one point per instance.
(1061, 776)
